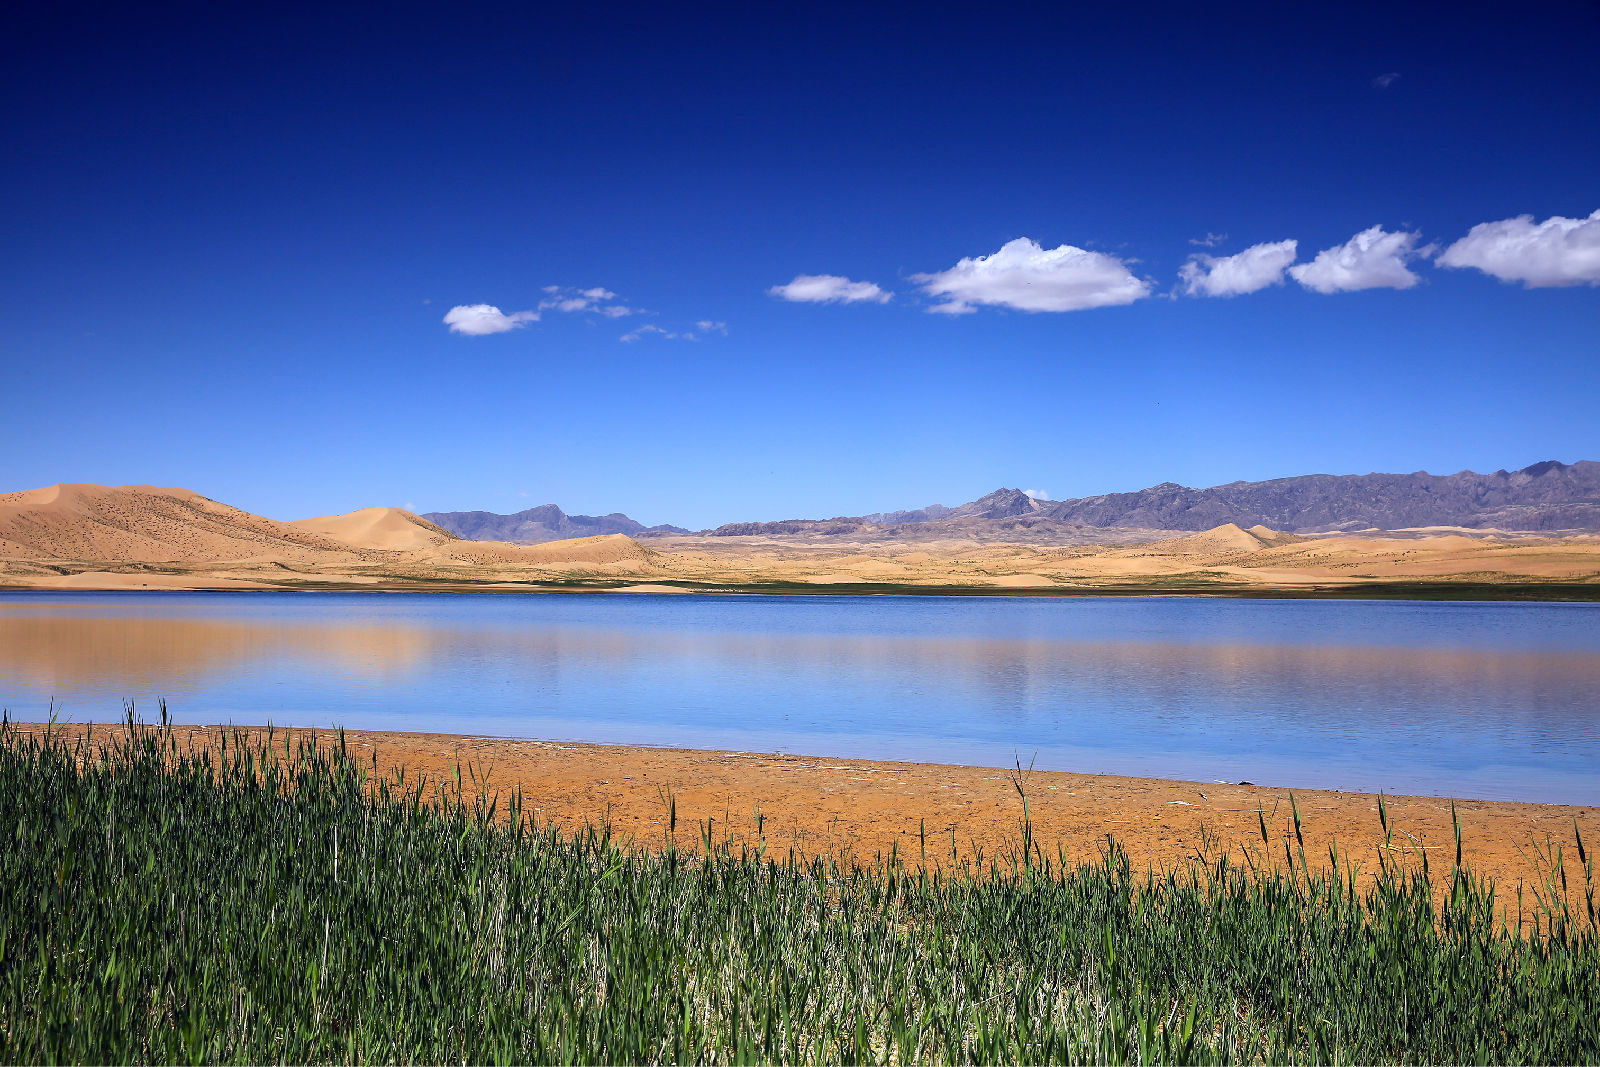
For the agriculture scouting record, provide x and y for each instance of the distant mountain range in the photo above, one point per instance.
(536, 525)
(1546, 496)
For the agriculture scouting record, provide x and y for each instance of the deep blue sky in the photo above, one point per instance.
(230, 235)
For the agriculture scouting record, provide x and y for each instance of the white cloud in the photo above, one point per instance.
(828, 289)
(1036, 494)
(1245, 272)
(1557, 251)
(477, 320)
(571, 299)
(1024, 276)
(651, 328)
(1372, 259)
(1383, 81)
(704, 326)
(1210, 240)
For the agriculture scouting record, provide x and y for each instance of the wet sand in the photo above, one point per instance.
(868, 809)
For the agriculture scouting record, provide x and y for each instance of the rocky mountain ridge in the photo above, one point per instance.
(1544, 496)
(1547, 496)
(538, 525)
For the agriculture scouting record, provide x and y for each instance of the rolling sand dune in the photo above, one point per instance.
(614, 552)
(603, 548)
(143, 524)
(378, 529)
(98, 537)
(1221, 540)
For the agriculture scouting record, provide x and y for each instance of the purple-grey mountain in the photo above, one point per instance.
(536, 525)
(1546, 496)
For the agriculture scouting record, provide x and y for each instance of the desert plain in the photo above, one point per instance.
(76, 536)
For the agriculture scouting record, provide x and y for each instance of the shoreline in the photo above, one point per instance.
(1444, 590)
(919, 811)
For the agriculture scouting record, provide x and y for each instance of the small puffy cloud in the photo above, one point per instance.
(477, 320)
(704, 326)
(651, 328)
(1210, 240)
(828, 289)
(1557, 251)
(1026, 277)
(1383, 81)
(570, 299)
(1245, 272)
(1372, 259)
(1036, 494)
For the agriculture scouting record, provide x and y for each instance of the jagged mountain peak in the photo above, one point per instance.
(1000, 504)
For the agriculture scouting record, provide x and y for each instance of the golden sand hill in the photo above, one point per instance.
(1227, 539)
(604, 548)
(142, 537)
(144, 524)
(378, 529)
(600, 554)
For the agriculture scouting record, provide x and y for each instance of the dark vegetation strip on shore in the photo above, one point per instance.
(1536, 591)
(1540, 591)
(255, 900)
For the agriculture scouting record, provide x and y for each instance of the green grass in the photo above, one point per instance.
(262, 900)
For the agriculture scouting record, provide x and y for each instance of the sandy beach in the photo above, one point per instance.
(868, 809)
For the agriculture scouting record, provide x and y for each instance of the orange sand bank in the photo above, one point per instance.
(867, 808)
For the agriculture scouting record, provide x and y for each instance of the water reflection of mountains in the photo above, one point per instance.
(41, 655)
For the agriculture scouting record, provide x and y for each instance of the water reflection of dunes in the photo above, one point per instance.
(42, 657)
(1003, 677)
(1437, 696)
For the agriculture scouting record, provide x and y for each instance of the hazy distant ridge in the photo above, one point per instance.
(1545, 496)
(535, 525)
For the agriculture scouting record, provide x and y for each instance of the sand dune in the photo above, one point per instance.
(379, 529)
(603, 548)
(143, 524)
(1221, 540)
(1269, 536)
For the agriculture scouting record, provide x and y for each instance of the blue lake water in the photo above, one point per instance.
(1463, 699)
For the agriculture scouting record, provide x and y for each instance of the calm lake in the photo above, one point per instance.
(1463, 699)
